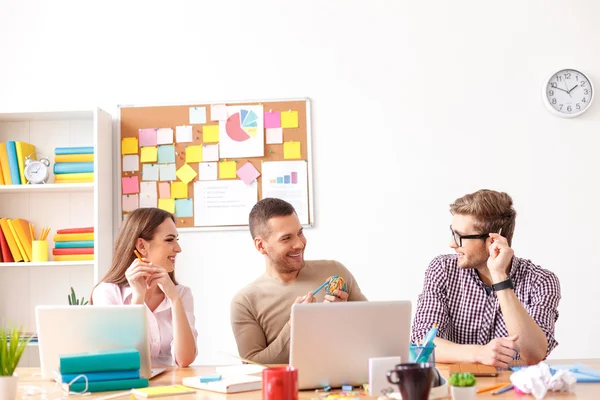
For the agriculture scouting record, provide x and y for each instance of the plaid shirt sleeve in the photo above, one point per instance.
(432, 306)
(543, 307)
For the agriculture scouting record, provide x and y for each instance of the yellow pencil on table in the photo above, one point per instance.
(490, 388)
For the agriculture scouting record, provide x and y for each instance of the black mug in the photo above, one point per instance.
(414, 380)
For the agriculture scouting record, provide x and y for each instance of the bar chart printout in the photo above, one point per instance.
(287, 180)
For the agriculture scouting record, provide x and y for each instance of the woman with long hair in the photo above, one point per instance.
(149, 278)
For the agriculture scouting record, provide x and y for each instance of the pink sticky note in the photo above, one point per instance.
(147, 137)
(130, 185)
(164, 190)
(273, 119)
(248, 173)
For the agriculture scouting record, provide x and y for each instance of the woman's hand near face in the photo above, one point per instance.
(164, 282)
(137, 276)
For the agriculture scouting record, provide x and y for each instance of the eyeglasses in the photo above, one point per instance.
(459, 238)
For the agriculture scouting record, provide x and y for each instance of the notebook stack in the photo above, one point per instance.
(73, 164)
(12, 162)
(101, 371)
(15, 240)
(74, 244)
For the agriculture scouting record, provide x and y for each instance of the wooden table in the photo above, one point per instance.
(31, 377)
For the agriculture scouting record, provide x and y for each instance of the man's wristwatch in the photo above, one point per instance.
(507, 284)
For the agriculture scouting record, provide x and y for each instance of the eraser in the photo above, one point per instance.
(210, 378)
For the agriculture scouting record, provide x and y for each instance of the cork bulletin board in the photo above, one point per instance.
(208, 163)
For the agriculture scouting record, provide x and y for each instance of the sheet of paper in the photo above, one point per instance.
(218, 112)
(291, 150)
(184, 208)
(186, 173)
(210, 133)
(193, 154)
(164, 136)
(130, 185)
(248, 173)
(148, 194)
(166, 154)
(287, 180)
(210, 152)
(179, 190)
(129, 145)
(149, 154)
(208, 171)
(167, 205)
(272, 119)
(147, 137)
(150, 172)
(197, 115)
(274, 135)
(223, 203)
(289, 119)
(243, 134)
(131, 162)
(164, 190)
(227, 169)
(167, 172)
(183, 134)
(130, 202)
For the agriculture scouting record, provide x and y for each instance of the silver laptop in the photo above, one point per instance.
(331, 343)
(82, 329)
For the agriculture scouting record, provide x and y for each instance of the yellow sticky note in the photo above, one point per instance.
(193, 154)
(167, 205)
(227, 169)
(179, 190)
(210, 133)
(291, 150)
(129, 145)
(289, 119)
(186, 173)
(149, 154)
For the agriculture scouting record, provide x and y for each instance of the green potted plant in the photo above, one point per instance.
(74, 301)
(462, 386)
(12, 346)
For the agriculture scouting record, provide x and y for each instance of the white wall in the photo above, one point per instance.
(415, 103)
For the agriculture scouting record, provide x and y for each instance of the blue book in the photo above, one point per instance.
(102, 376)
(73, 167)
(100, 361)
(104, 386)
(74, 244)
(73, 150)
(13, 163)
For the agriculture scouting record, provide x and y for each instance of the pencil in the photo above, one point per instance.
(138, 255)
(320, 287)
(490, 388)
(504, 389)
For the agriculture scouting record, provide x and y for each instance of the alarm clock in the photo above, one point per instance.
(36, 171)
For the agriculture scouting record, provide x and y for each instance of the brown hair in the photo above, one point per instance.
(492, 211)
(141, 223)
(263, 211)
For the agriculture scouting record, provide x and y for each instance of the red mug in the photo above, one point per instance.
(280, 383)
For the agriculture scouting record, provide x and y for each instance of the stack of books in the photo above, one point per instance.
(74, 244)
(16, 236)
(12, 162)
(73, 164)
(101, 371)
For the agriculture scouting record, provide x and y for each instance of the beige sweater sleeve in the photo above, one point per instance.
(354, 292)
(250, 338)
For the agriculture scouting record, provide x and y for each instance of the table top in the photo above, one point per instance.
(30, 377)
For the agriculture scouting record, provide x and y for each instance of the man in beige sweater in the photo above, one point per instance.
(260, 312)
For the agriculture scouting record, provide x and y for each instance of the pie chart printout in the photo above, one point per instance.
(242, 125)
(242, 134)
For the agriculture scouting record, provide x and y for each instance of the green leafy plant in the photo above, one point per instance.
(462, 379)
(74, 301)
(12, 346)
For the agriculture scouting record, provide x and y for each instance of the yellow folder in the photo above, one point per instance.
(4, 163)
(16, 237)
(12, 244)
(23, 150)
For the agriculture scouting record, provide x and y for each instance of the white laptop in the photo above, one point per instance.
(81, 329)
(331, 343)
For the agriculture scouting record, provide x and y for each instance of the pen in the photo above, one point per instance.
(504, 389)
(320, 287)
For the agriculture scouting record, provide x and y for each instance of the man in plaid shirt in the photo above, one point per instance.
(490, 306)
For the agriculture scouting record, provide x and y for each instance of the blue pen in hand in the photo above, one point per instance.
(320, 287)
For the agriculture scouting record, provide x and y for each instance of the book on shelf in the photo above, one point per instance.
(89, 229)
(70, 237)
(24, 150)
(11, 241)
(4, 164)
(11, 151)
(73, 244)
(74, 257)
(74, 158)
(108, 360)
(74, 150)
(73, 168)
(72, 251)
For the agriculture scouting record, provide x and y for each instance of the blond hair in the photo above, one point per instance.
(492, 211)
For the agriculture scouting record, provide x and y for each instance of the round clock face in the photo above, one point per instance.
(568, 93)
(36, 172)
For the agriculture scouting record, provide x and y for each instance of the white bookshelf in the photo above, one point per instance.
(23, 285)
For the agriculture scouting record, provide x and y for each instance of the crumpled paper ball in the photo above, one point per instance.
(537, 380)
